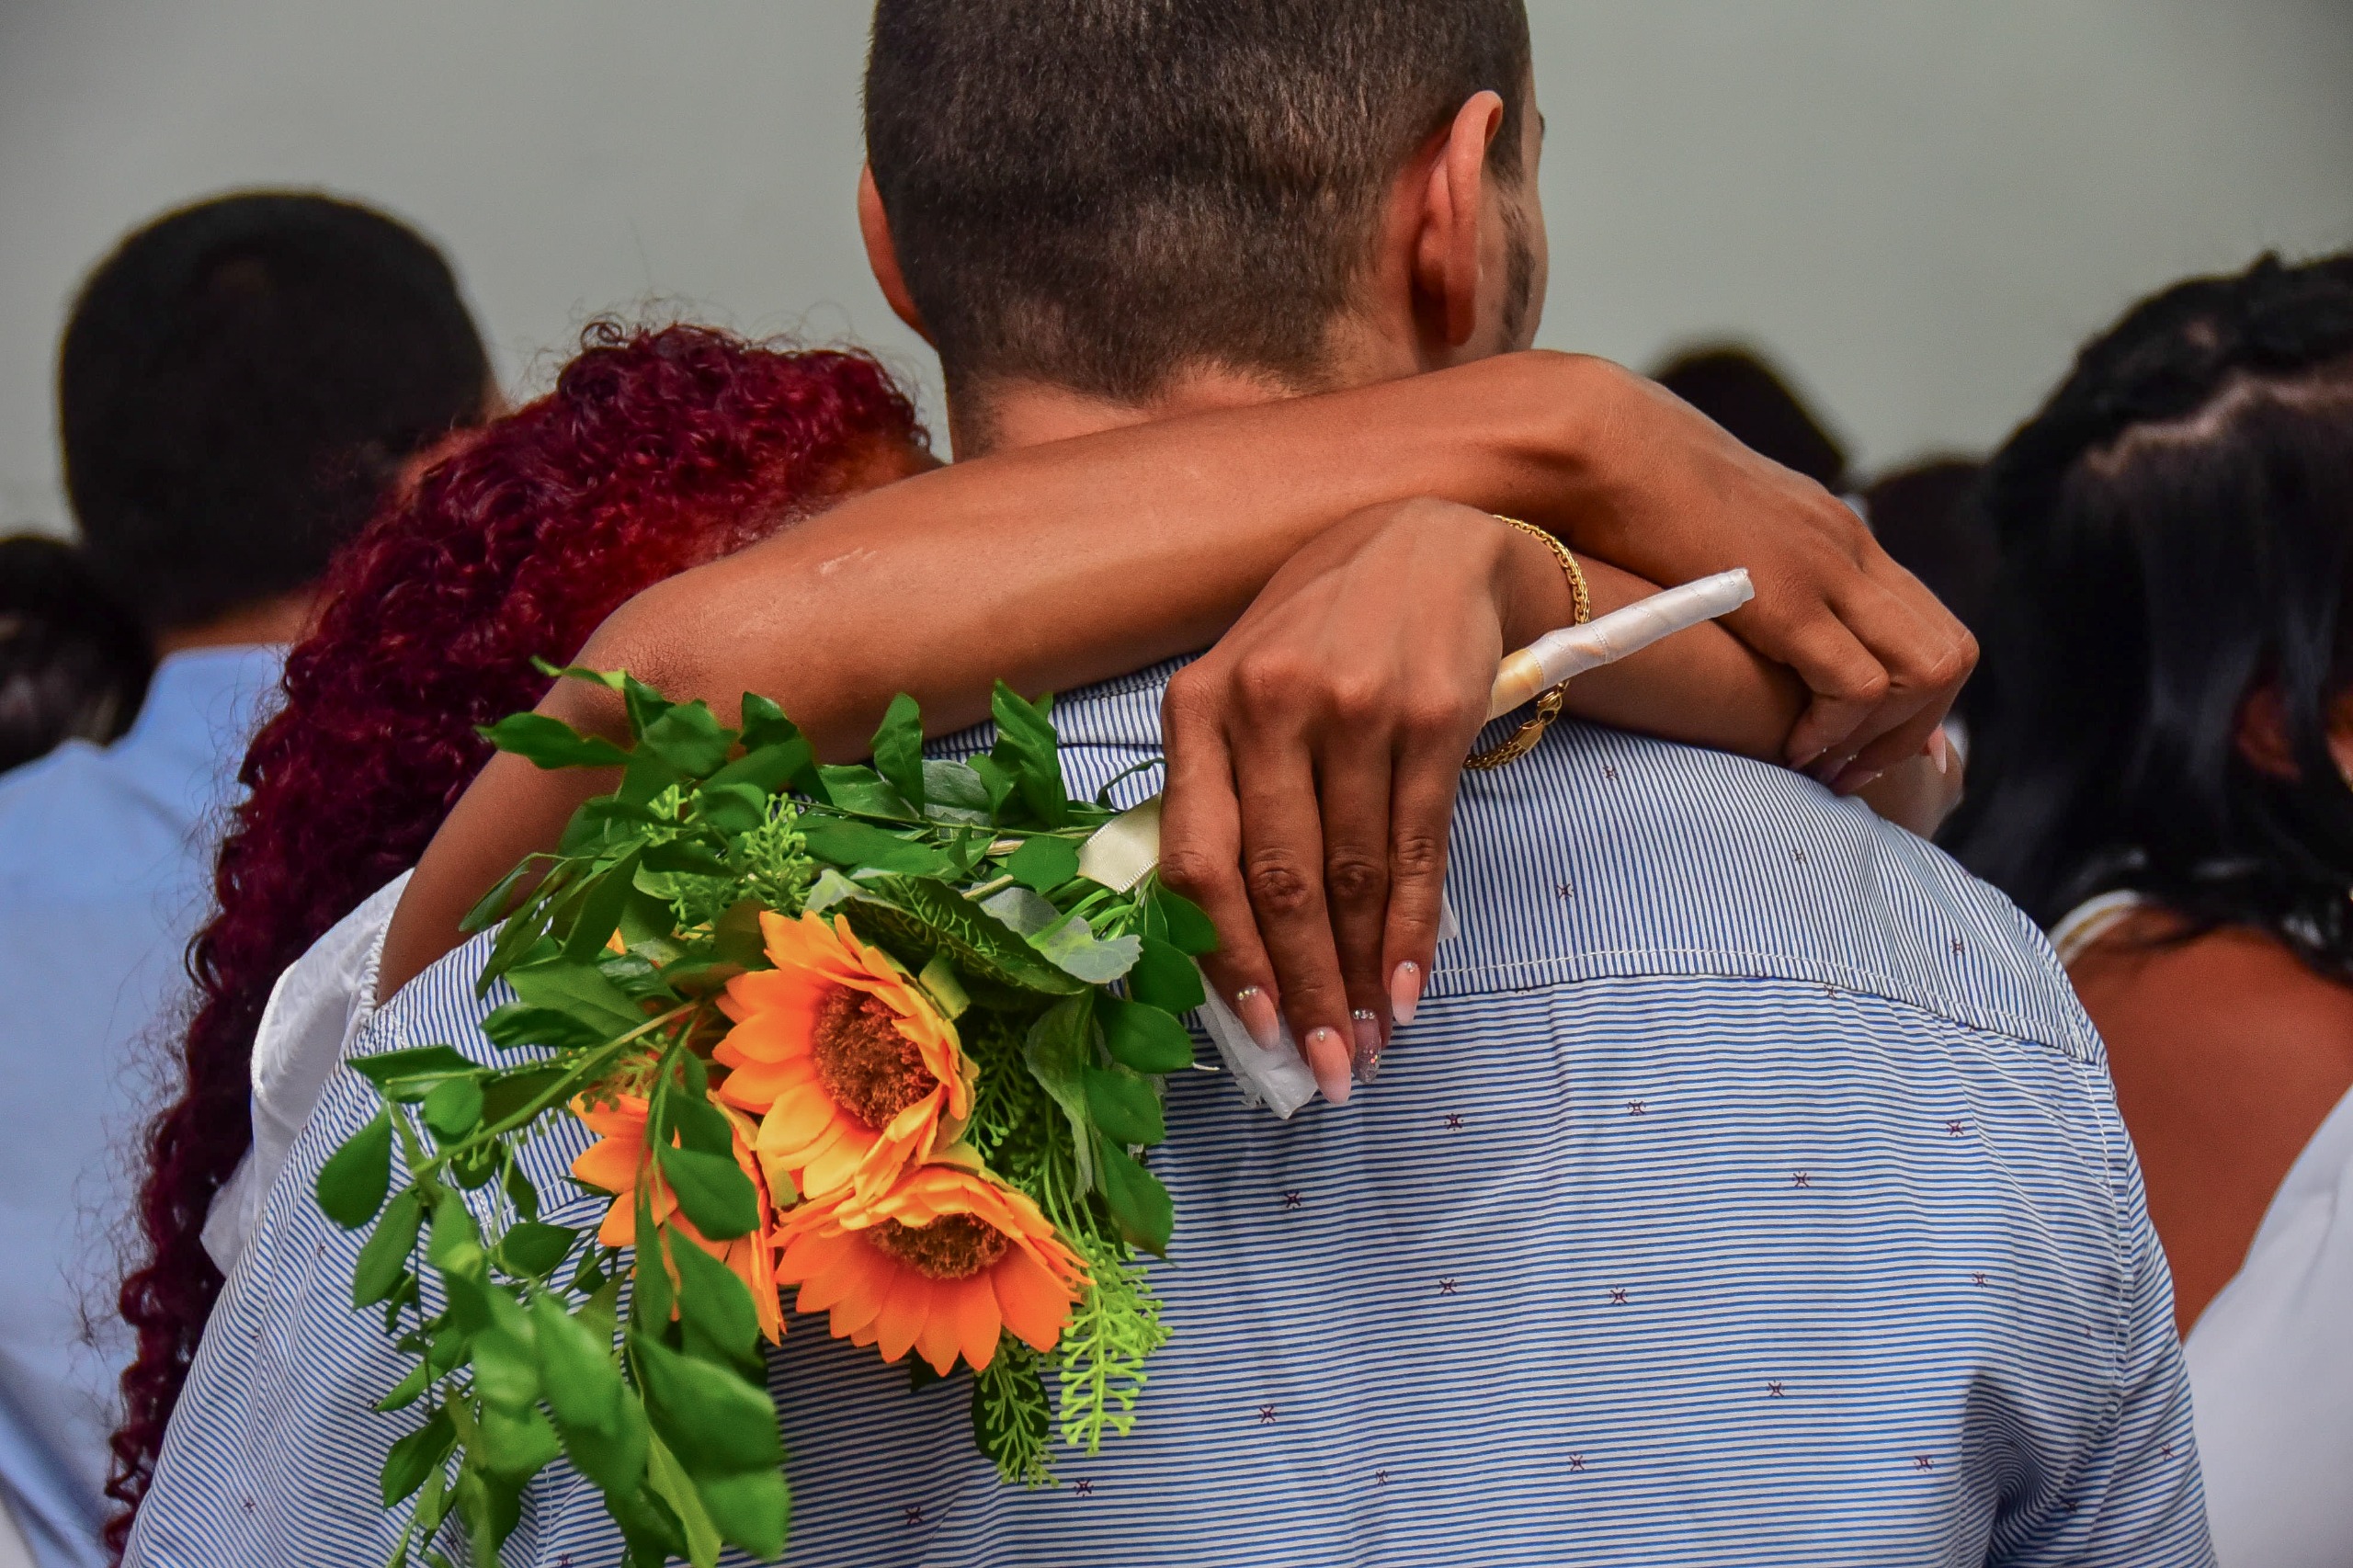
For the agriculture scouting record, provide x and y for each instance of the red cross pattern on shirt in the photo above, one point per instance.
(1266, 1415)
(1453, 1121)
(1618, 1295)
(1446, 1284)
(1083, 1488)
(915, 1513)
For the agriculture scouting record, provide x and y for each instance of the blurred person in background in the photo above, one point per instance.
(73, 667)
(237, 385)
(1924, 515)
(1755, 406)
(2163, 782)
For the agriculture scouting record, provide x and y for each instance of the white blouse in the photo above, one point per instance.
(2271, 1358)
(316, 1008)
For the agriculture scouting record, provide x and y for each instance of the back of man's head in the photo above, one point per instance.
(1102, 194)
(239, 382)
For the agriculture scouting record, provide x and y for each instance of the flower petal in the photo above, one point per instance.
(972, 1303)
(1035, 1305)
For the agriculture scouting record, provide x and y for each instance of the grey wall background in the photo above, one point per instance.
(1918, 206)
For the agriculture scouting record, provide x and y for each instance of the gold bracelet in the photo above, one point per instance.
(1547, 702)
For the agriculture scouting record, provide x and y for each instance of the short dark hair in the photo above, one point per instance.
(238, 384)
(72, 665)
(1101, 193)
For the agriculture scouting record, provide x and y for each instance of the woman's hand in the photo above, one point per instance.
(1674, 499)
(1312, 758)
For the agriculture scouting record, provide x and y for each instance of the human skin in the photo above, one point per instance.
(2228, 1052)
(1144, 533)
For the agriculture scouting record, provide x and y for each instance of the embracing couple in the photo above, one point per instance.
(1742, 1182)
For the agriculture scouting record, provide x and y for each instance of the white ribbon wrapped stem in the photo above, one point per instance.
(1559, 655)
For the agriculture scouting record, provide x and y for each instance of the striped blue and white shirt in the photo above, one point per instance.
(1749, 1191)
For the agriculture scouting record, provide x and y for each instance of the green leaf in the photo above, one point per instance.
(603, 1428)
(519, 1025)
(898, 749)
(1143, 1037)
(514, 1445)
(353, 1182)
(1073, 948)
(672, 1483)
(550, 742)
(954, 792)
(714, 1421)
(699, 1124)
(454, 1108)
(600, 912)
(1184, 923)
(650, 1297)
(731, 809)
(579, 992)
(926, 914)
(1124, 1106)
(684, 855)
(492, 907)
(998, 781)
(383, 1258)
(863, 793)
(716, 1312)
(646, 706)
(506, 1371)
(715, 1192)
(1057, 1054)
(1138, 1204)
(423, 1060)
(754, 1510)
(412, 1457)
(535, 1250)
(861, 845)
(764, 725)
(1044, 863)
(1029, 749)
(521, 1193)
(1166, 978)
(508, 1093)
(455, 1245)
(406, 1392)
(690, 739)
(767, 768)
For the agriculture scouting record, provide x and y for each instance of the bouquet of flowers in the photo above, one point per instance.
(862, 1032)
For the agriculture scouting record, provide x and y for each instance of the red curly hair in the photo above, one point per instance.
(658, 451)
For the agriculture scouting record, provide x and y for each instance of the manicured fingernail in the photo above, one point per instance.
(1853, 783)
(1941, 749)
(1328, 1059)
(1404, 992)
(1366, 1060)
(1256, 1011)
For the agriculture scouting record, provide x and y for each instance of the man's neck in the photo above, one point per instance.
(282, 620)
(1003, 415)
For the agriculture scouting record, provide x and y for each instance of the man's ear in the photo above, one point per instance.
(1445, 260)
(882, 257)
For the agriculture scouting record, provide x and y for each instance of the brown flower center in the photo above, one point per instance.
(953, 1246)
(870, 1068)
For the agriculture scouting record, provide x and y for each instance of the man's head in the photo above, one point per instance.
(239, 382)
(1109, 196)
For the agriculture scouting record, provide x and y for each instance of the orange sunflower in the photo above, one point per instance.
(854, 1071)
(615, 1162)
(941, 1262)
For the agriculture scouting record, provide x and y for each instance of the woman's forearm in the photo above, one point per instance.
(1703, 687)
(1059, 564)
